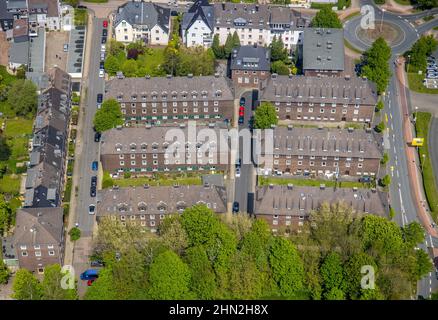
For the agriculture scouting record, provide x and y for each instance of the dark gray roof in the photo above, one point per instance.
(4, 13)
(323, 49)
(40, 79)
(320, 90)
(302, 201)
(325, 142)
(16, 4)
(200, 10)
(19, 52)
(173, 199)
(160, 86)
(38, 226)
(251, 58)
(143, 13)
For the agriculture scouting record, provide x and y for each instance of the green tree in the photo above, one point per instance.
(228, 48)
(279, 67)
(51, 285)
(203, 279)
(112, 65)
(129, 68)
(334, 294)
(326, 18)
(103, 287)
(379, 106)
(256, 243)
(171, 60)
(5, 215)
(26, 286)
(245, 279)
(385, 181)
(114, 47)
(21, 72)
(332, 273)
(108, 116)
(385, 158)
(384, 235)
(173, 234)
(371, 294)
(23, 98)
(426, 4)
(423, 264)
(236, 40)
(4, 271)
(380, 127)
(353, 274)
(287, 267)
(74, 233)
(418, 54)
(169, 277)
(278, 52)
(376, 64)
(265, 116)
(413, 234)
(218, 50)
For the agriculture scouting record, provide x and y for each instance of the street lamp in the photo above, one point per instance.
(409, 59)
(381, 21)
(422, 162)
(415, 114)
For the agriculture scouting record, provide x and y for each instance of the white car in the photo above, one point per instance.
(91, 209)
(101, 73)
(102, 56)
(237, 172)
(102, 48)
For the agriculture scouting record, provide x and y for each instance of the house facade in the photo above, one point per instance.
(323, 99)
(39, 238)
(197, 25)
(250, 65)
(149, 206)
(323, 152)
(172, 100)
(155, 149)
(289, 207)
(142, 21)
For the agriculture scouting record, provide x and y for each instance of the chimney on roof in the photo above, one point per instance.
(291, 75)
(290, 127)
(146, 186)
(347, 77)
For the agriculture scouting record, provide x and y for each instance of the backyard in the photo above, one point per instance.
(429, 183)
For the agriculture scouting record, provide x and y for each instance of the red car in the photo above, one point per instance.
(105, 24)
(90, 282)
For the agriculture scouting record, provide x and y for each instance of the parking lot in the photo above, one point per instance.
(55, 55)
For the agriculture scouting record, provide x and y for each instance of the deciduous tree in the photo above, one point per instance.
(51, 285)
(26, 286)
(108, 116)
(326, 18)
(265, 116)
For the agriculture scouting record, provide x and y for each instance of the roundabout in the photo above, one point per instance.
(393, 34)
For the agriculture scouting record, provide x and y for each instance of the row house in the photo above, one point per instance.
(250, 65)
(163, 149)
(322, 151)
(289, 207)
(38, 236)
(254, 23)
(323, 52)
(321, 98)
(172, 100)
(142, 21)
(149, 206)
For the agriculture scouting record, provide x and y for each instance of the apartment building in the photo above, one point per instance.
(250, 65)
(38, 238)
(289, 207)
(142, 21)
(6, 17)
(321, 98)
(163, 149)
(323, 152)
(259, 24)
(172, 100)
(323, 52)
(45, 13)
(149, 206)
(197, 25)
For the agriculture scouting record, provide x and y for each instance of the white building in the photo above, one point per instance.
(45, 13)
(143, 21)
(197, 25)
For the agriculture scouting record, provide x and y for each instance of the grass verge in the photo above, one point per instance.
(350, 46)
(429, 183)
(140, 181)
(264, 181)
(415, 81)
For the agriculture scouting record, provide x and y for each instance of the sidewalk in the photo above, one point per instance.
(411, 154)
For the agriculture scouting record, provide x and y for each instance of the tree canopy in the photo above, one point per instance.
(265, 116)
(26, 286)
(23, 98)
(108, 116)
(416, 57)
(326, 18)
(51, 285)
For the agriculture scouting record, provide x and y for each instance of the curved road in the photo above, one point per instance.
(401, 197)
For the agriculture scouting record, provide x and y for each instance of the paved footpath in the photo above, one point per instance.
(415, 177)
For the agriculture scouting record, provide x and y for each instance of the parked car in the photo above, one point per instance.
(90, 274)
(97, 136)
(65, 47)
(90, 282)
(103, 48)
(105, 23)
(103, 40)
(101, 73)
(97, 263)
(102, 56)
(94, 166)
(239, 162)
(94, 181)
(241, 111)
(102, 65)
(92, 192)
(237, 172)
(235, 207)
(99, 98)
(104, 32)
(91, 209)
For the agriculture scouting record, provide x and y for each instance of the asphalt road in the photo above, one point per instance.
(90, 148)
(243, 184)
(433, 146)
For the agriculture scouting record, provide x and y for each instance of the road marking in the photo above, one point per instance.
(392, 127)
(431, 242)
(402, 207)
(398, 175)
(394, 149)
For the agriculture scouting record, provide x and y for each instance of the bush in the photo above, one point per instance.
(380, 127)
(74, 234)
(385, 158)
(385, 181)
(127, 175)
(379, 106)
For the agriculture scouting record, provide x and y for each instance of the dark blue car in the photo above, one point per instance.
(90, 274)
(94, 166)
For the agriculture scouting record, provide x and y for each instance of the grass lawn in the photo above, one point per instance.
(163, 181)
(415, 81)
(10, 184)
(80, 17)
(18, 132)
(18, 127)
(149, 62)
(429, 183)
(351, 15)
(403, 2)
(6, 77)
(264, 181)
